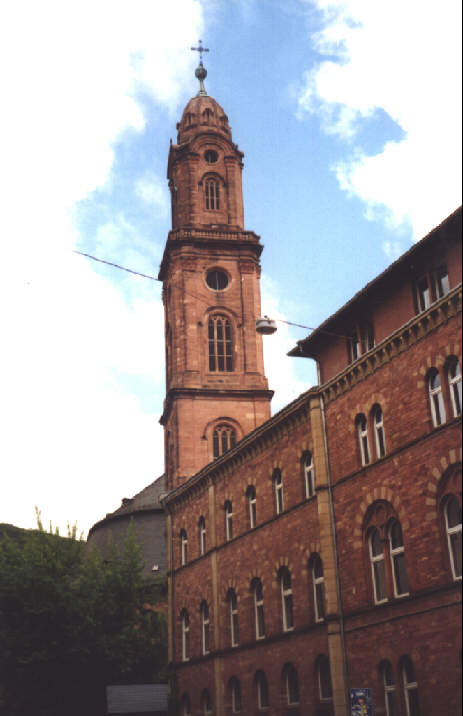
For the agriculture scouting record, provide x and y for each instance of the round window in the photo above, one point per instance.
(217, 280)
(211, 156)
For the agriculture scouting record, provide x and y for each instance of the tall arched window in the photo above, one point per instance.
(183, 547)
(235, 695)
(362, 432)
(308, 472)
(220, 344)
(284, 577)
(278, 490)
(436, 399)
(228, 509)
(212, 194)
(290, 684)
(202, 535)
(206, 703)
(452, 513)
(205, 627)
(185, 621)
(186, 705)
(261, 684)
(380, 438)
(325, 689)
(378, 570)
(233, 614)
(223, 439)
(318, 583)
(396, 549)
(387, 676)
(252, 506)
(258, 597)
(410, 687)
(454, 378)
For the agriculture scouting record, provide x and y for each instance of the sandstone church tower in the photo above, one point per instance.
(216, 389)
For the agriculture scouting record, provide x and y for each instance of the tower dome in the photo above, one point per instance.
(202, 114)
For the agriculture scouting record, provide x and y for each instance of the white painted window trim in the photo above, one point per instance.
(278, 487)
(362, 432)
(286, 603)
(451, 531)
(205, 631)
(233, 610)
(228, 521)
(436, 399)
(455, 387)
(259, 609)
(395, 552)
(309, 481)
(318, 584)
(408, 686)
(373, 560)
(378, 421)
(185, 636)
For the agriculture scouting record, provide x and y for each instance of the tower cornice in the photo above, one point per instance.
(219, 393)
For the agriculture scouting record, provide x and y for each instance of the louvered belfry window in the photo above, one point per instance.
(212, 194)
(220, 344)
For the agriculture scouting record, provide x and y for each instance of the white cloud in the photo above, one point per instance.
(403, 58)
(74, 439)
(152, 190)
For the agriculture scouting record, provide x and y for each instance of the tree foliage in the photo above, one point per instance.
(71, 623)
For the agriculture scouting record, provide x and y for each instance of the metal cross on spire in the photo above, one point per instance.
(201, 72)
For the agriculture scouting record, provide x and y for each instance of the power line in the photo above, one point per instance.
(110, 263)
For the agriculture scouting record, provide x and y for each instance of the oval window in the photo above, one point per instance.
(217, 280)
(211, 156)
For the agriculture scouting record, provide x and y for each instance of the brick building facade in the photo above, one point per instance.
(317, 550)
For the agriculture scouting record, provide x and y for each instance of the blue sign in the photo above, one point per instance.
(360, 702)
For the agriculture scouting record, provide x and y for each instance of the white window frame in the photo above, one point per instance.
(183, 547)
(377, 559)
(408, 686)
(202, 536)
(455, 388)
(309, 481)
(436, 399)
(233, 612)
(252, 506)
(441, 282)
(388, 690)
(185, 636)
(380, 435)
(205, 628)
(455, 530)
(260, 681)
(259, 610)
(364, 443)
(318, 588)
(286, 601)
(423, 295)
(228, 521)
(278, 487)
(395, 554)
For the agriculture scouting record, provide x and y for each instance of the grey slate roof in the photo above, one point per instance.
(137, 698)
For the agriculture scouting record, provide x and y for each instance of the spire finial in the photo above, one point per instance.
(201, 72)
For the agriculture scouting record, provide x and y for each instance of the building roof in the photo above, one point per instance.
(306, 346)
(137, 698)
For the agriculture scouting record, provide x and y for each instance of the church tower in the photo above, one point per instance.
(216, 389)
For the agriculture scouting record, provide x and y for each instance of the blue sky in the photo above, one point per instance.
(349, 115)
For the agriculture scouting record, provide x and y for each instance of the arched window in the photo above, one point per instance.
(278, 489)
(387, 676)
(223, 439)
(206, 703)
(186, 705)
(261, 683)
(212, 194)
(202, 535)
(452, 513)
(362, 432)
(380, 438)
(233, 614)
(318, 582)
(378, 571)
(284, 577)
(308, 472)
(436, 399)
(183, 547)
(220, 344)
(252, 506)
(325, 689)
(454, 378)
(235, 695)
(228, 520)
(290, 684)
(410, 687)
(185, 620)
(258, 596)
(396, 549)
(205, 627)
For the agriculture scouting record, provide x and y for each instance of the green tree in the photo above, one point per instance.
(71, 623)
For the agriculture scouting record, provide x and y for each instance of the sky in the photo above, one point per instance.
(349, 116)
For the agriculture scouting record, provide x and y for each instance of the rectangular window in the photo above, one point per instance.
(441, 282)
(423, 294)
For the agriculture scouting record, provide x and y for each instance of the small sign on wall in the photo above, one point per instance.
(360, 702)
